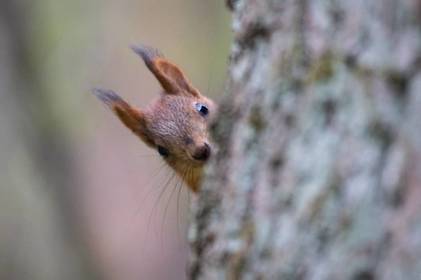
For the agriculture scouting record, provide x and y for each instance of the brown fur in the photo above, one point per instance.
(172, 121)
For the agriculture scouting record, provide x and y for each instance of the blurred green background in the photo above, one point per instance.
(80, 196)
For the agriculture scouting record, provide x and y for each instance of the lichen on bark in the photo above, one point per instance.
(318, 173)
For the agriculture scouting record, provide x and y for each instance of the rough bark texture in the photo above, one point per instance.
(319, 170)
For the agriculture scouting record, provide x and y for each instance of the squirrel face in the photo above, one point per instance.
(176, 124)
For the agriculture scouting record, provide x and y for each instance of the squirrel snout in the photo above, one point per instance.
(202, 153)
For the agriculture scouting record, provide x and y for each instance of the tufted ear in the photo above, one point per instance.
(169, 75)
(131, 117)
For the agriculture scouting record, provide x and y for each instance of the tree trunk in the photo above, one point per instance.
(318, 175)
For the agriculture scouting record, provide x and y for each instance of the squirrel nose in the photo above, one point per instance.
(202, 153)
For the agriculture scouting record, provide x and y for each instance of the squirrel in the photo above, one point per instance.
(175, 124)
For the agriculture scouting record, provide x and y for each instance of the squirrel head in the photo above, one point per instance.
(176, 124)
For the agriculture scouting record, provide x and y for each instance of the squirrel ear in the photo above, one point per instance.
(132, 118)
(169, 75)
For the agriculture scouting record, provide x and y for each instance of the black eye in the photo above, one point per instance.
(202, 109)
(163, 152)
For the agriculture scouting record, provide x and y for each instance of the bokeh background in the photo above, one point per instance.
(80, 196)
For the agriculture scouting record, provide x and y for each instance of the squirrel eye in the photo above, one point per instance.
(163, 152)
(202, 109)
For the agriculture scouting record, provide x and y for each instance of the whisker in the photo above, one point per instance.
(187, 177)
(163, 189)
(161, 167)
(179, 185)
(178, 208)
(132, 226)
(188, 193)
(167, 205)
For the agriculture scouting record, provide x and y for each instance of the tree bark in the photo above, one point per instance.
(318, 174)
